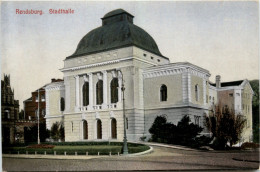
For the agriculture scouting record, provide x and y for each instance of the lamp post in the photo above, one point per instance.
(38, 116)
(125, 148)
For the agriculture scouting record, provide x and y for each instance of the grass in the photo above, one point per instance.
(81, 149)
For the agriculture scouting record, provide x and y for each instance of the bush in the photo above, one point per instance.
(183, 134)
(248, 145)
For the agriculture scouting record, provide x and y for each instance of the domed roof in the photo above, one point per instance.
(117, 31)
(115, 12)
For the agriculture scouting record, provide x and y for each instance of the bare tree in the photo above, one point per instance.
(225, 125)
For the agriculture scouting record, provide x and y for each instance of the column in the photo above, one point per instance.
(119, 86)
(77, 93)
(90, 80)
(204, 91)
(104, 89)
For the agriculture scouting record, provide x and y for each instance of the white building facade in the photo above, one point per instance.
(90, 101)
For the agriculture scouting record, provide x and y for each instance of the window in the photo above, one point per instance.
(197, 92)
(85, 91)
(163, 93)
(114, 90)
(6, 114)
(197, 120)
(231, 95)
(237, 94)
(158, 60)
(71, 126)
(151, 57)
(144, 55)
(99, 92)
(36, 98)
(43, 112)
(62, 104)
(36, 112)
(43, 97)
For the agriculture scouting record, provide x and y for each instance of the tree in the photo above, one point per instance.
(255, 108)
(184, 133)
(225, 126)
(57, 131)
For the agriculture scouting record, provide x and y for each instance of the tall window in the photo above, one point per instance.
(197, 92)
(113, 129)
(99, 92)
(99, 129)
(85, 91)
(85, 129)
(114, 90)
(62, 104)
(163, 93)
(197, 120)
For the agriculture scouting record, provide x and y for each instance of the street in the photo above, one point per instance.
(160, 159)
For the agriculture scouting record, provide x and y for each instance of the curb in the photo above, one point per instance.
(69, 157)
(60, 157)
(140, 153)
(169, 146)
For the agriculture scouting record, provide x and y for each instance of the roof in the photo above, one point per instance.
(227, 84)
(116, 12)
(117, 31)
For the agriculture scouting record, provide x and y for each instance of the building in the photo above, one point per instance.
(89, 100)
(37, 100)
(237, 96)
(13, 122)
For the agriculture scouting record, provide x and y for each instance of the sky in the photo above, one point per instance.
(221, 37)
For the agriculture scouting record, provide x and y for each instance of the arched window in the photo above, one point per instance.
(114, 90)
(197, 92)
(62, 104)
(85, 129)
(99, 129)
(85, 91)
(163, 93)
(99, 92)
(113, 128)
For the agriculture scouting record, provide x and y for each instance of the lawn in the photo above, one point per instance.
(91, 148)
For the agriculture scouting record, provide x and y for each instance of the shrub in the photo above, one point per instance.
(225, 126)
(248, 145)
(184, 133)
(45, 146)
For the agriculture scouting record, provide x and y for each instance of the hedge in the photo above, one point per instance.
(114, 149)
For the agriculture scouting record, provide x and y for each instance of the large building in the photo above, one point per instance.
(89, 101)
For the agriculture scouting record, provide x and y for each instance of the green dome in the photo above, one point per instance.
(117, 31)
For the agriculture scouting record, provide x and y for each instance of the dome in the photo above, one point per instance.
(117, 31)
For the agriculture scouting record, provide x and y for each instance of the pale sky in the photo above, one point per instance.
(221, 37)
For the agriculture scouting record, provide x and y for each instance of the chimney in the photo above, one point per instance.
(218, 83)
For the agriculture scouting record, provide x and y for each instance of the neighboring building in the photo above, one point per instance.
(89, 100)
(12, 124)
(237, 96)
(37, 100)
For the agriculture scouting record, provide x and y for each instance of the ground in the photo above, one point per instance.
(161, 158)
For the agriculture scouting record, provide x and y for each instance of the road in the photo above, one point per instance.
(160, 159)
